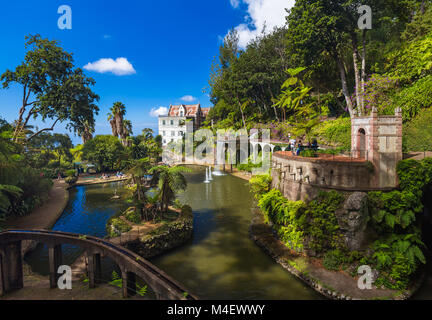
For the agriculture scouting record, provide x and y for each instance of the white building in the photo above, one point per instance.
(172, 127)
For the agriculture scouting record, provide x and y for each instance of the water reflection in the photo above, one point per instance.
(222, 262)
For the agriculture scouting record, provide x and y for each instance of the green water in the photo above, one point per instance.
(222, 262)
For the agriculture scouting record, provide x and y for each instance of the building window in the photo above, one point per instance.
(163, 122)
(163, 133)
(172, 133)
(180, 133)
(164, 141)
(181, 113)
(172, 122)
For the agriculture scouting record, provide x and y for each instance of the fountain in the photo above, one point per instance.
(207, 179)
(217, 171)
(115, 195)
(210, 174)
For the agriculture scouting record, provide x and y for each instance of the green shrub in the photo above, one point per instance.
(412, 62)
(250, 165)
(398, 257)
(308, 153)
(70, 173)
(186, 212)
(333, 260)
(297, 223)
(260, 184)
(320, 222)
(417, 133)
(415, 98)
(284, 214)
(399, 250)
(71, 180)
(132, 215)
(335, 133)
(116, 226)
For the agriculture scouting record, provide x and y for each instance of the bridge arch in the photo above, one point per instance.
(131, 264)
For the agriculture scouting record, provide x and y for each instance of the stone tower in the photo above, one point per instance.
(378, 139)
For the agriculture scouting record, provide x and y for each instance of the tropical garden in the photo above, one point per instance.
(307, 80)
(57, 92)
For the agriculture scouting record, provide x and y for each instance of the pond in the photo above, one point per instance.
(220, 262)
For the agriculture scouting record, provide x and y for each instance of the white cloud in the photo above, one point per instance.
(260, 14)
(188, 98)
(119, 66)
(161, 111)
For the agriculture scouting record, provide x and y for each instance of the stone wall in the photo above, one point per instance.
(301, 178)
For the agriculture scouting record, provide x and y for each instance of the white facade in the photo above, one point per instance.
(172, 129)
(181, 119)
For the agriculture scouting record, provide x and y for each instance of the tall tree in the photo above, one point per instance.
(52, 88)
(120, 127)
(86, 131)
(103, 151)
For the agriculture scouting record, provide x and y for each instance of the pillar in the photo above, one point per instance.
(94, 269)
(128, 284)
(55, 261)
(11, 272)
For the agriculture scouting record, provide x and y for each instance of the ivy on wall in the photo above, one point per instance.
(311, 227)
(397, 249)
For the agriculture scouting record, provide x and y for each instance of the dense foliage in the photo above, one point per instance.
(396, 250)
(311, 228)
(342, 70)
(22, 185)
(417, 134)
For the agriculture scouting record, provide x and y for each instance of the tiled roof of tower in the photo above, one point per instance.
(191, 110)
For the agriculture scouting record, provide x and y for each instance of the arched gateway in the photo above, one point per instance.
(131, 265)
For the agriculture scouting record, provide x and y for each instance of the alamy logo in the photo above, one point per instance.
(65, 20)
(365, 281)
(64, 282)
(365, 20)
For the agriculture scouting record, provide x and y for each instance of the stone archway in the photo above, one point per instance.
(361, 143)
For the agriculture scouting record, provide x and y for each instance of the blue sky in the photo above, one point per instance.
(168, 47)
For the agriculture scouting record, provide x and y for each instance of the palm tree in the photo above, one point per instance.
(169, 180)
(120, 127)
(86, 132)
(138, 173)
(115, 118)
(126, 132)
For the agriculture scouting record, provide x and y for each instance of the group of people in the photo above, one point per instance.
(120, 174)
(104, 176)
(297, 148)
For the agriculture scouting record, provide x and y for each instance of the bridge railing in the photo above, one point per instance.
(56, 237)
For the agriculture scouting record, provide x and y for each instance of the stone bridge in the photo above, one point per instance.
(131, 265)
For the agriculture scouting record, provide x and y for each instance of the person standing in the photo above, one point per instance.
(293, 145)
(299, 148)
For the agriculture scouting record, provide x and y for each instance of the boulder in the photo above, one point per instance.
(353, 219)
